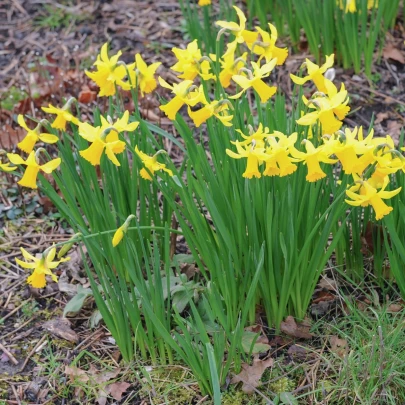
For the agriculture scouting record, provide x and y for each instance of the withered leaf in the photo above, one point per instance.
(294, 329)
(250, 375)
(117, 389)
(61, 327)
(338, 345)
(76, 374)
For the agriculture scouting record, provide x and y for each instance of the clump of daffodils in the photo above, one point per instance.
(245, 67)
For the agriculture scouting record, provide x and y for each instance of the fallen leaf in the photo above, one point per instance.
(294, 329)
(299, 352)
(394, 128)
(76, 374)
(61, 327)
(86, 96)
(395, 308)
(338, 346)
(250, 375)
(328, 284)
(381, 116)
(322, 296)
(261, 343)
(391, 52)
(117, 389)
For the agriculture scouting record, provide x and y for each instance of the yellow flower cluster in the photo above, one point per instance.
(368, 160)
(111, 73)
(349, 6)
(234, 69)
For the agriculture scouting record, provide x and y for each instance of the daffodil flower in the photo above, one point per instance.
(255, 81)
(330, 111)
(33, 136)
(350, 5)
(203, 3)
(185, 93)
(257, 137)
(279, 162)
(216, 108)
(312, 157)
(241, 34)
(42, 267)
(229, 65)
(108, 72)
(121, 231)
(348, 145)
(190, 63)
(5, 167)
(33, 167)
(141, 76)
(315, 73)
(365, 194)
(267, 49)
(105, 138)
(255, 157)
(151, 164)
(63, 115)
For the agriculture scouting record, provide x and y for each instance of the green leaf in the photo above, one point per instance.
(249, 343)
(77, 302)
(288, 398)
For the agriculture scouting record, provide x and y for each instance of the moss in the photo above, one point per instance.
(283, 384)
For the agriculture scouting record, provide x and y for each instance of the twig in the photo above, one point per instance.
(14, 310)
(32, 352)
(16, 394)
(9, 355)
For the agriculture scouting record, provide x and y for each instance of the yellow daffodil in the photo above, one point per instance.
(279, 163)
(257, 137)
(108, 72)
(229, 65)
(202, 3)
(105, 138)
(5, 167)
(255, 157)
(368, 195)
(151, 164)
(63, 116)
(121, 231)
(255, 81)
(315, 73)
(267, 49)
(350, 5)
(241, 35)
(348, 145)
(33, 136)
(185, 93)
(219, 109)
(33, 167)
(312, 158)
(330, 111)
(141, 76)
(191, 63)
(42, 266)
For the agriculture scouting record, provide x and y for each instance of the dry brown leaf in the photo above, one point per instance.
(294, 329)
(338, 346)
(328, 284)
(76, 374)
(391, 52)
(381, 116)
(394, 128)
(86, 96)
(117, 389)
(322, 296)
(395, 308)
(61, 327)
(250, 375)
(299, 352)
